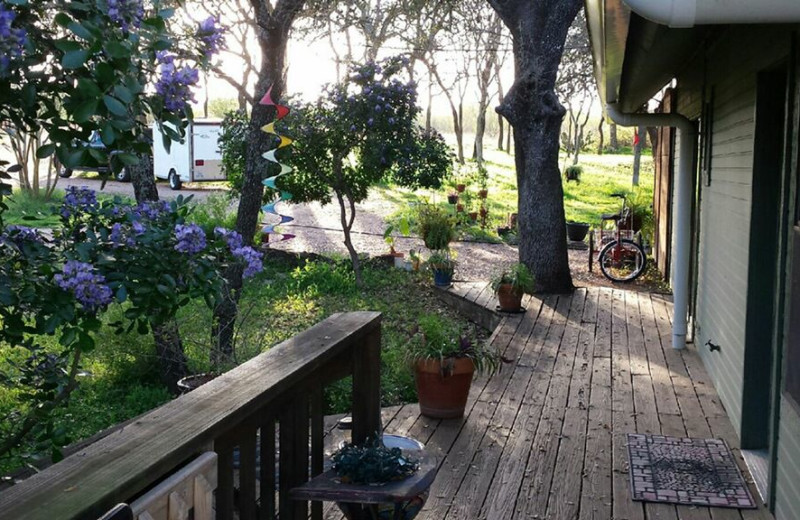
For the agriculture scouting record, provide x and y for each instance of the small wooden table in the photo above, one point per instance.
(360, 501)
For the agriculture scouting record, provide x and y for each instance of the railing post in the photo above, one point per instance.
(367, 386)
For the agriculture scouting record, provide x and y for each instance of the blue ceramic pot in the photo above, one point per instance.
(442, 278)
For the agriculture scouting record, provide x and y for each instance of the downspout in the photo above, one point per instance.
(681, 212)
(688, 13)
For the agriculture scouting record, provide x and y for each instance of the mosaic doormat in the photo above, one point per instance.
(699, 472)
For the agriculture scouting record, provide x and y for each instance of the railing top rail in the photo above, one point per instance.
(113, 469)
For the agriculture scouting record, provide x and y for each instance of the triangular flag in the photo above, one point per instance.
(270, 208)
(270, 183)
(270, 156)
(285, 141)
(282, 111)
(267, 99)
(270, 128)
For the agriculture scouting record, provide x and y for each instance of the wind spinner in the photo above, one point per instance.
(283, 111)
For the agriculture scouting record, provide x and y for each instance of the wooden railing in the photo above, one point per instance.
(239, 409)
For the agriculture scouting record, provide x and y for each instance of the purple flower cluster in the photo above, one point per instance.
(78, 200)
(120, 236)
(127, 13)
(191, 238)
(210, 34)
(248, 255)
(175, 83)
(12, 40)
(20, 234)
(231, 238)
(149, 210)
(90, 289)
(251, 258)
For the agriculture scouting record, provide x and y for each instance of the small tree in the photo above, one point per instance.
(360, 132)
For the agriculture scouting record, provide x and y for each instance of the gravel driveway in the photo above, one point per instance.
(318, 229)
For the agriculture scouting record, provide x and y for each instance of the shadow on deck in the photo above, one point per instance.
(545, 438)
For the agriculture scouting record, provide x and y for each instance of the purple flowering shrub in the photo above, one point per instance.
(12, 38)
(359, 133)
(105, 66)
(146, 258)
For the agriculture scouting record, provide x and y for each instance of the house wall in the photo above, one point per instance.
(730, 65)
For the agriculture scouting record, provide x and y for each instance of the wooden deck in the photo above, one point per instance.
(545, 438)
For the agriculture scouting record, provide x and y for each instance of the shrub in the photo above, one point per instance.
(434, 226)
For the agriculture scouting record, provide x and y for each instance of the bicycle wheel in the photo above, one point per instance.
(623, 263)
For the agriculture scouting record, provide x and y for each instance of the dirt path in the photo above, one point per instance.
(319, 230)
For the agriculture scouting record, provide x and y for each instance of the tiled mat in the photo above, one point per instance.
(700, 472)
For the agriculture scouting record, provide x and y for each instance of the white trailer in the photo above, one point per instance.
(196, 159)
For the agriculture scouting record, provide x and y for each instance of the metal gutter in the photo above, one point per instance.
(688, 13)
(682, 209)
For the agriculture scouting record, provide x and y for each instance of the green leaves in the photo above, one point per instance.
(115, 106)
(75, 59)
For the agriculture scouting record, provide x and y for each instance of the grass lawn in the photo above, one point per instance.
(583, 202)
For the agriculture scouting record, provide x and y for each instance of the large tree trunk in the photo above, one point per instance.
(169, 347)
(601, 139)
(533, 111)
(613, 142)
(500, 120)
(143, 180)
(480, 131)
(273, 36)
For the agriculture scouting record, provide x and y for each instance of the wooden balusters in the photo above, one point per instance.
(267, 480)
(293, 457)
(366, 387)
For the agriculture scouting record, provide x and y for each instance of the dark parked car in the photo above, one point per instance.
(97, 143)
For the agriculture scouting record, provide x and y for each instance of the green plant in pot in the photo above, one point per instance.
(363, 469)
(510, 284)
(435, 227)
(442, 264)
(372, 462)
(445, 358)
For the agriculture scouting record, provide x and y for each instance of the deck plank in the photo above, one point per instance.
(546, 436)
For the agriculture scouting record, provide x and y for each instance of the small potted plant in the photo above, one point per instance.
(461, 187)
(452, 198)
(362, 472)
(435, 227)
(510, 284)
(573, 173)
(415, 258)
(576, 231)
(442, 265)
(372, 462)
(445, 358)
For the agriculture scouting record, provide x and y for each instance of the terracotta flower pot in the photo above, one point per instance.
(443, 395)
(510, 298)
(459, 208)
(483, 193)
(461, 187)
(484, 212)
(452, 198)
(473, 216)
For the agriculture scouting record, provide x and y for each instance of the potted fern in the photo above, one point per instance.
(445, 359)
(510, 284)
